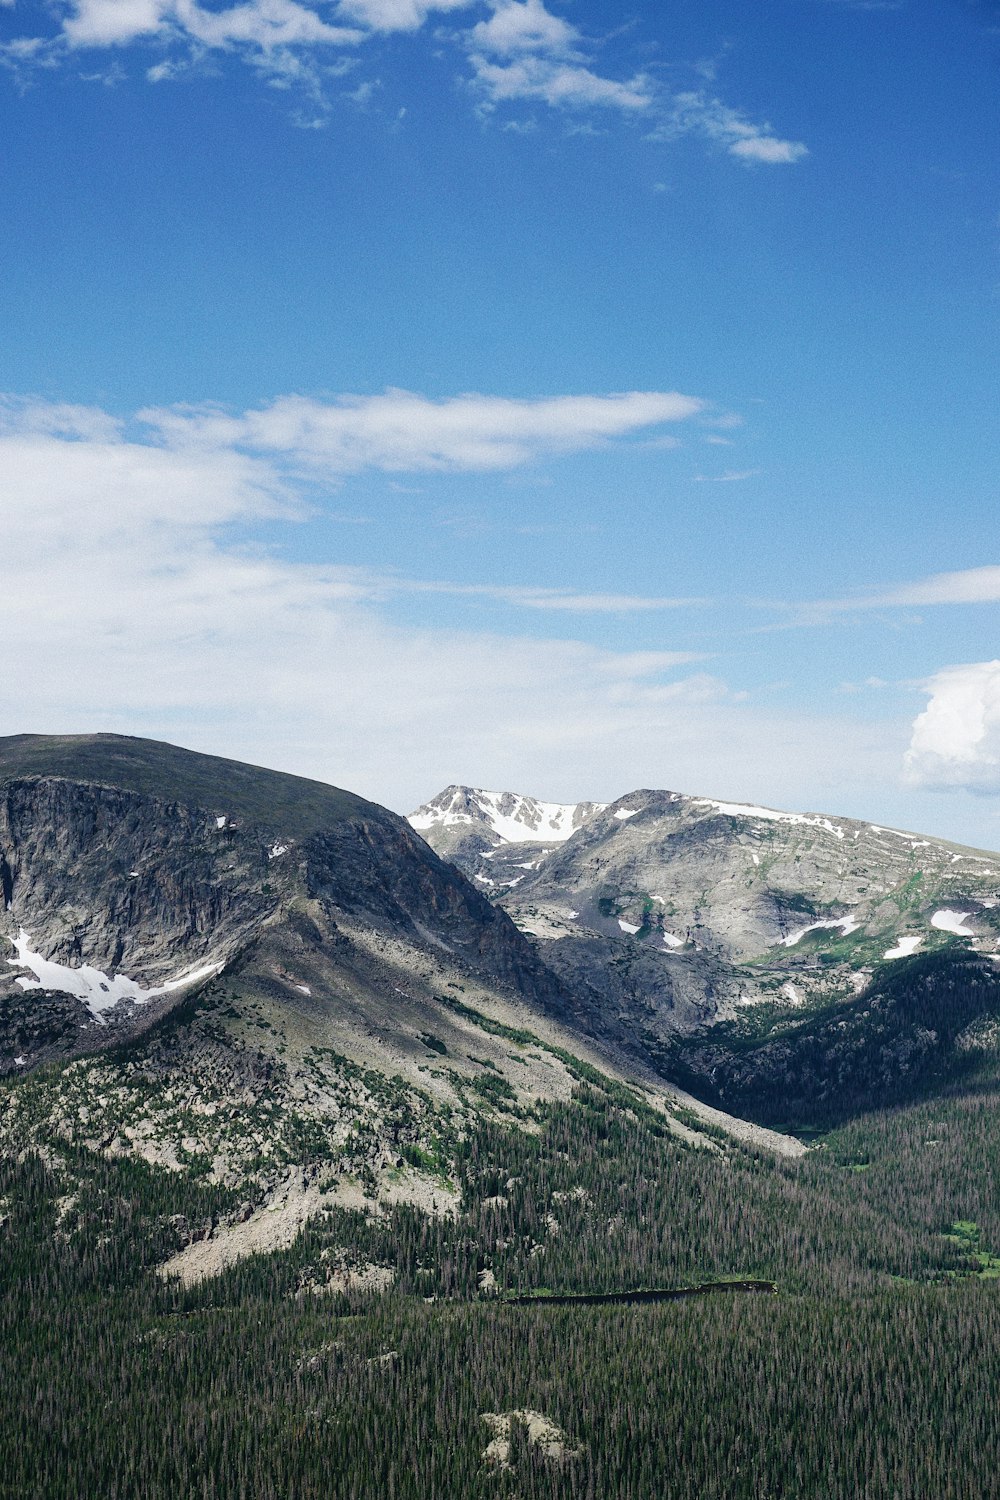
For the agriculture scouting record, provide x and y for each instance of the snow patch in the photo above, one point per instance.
(277, 850)
(627, 926)
(748, 810)
(100, 992)
(846, 924)
(221, 822)
(627, 812)
(952, 921)
(904, 947)
(671, 940)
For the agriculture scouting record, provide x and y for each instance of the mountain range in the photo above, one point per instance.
(332, 1163)
(712, 931)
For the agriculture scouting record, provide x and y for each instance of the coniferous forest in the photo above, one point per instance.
(870, 1371)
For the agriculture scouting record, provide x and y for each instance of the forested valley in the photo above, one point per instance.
(870, 1372)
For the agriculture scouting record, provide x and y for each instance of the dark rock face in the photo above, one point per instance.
(919, 1029)
(148, 886)
(124, 882)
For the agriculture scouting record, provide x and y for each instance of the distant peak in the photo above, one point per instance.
(511, 816)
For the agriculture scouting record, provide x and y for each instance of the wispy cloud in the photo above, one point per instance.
(519, 54)
(556, 599)
(127, 590)
(700, 113)
(969, 586)
(404, 432)
(966, 586)
(204, 466)
(730, 476)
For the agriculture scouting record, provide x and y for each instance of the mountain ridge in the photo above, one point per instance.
(353, 1006)
(683, 914)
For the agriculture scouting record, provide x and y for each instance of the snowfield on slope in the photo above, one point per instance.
(100, 992)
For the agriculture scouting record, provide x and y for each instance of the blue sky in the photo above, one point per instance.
(564, 397)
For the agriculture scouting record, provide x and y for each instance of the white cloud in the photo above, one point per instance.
(966, 586)
(402, 431)
(700, 113)
(564, 600)
(111, 23)
(524, 27)
(129, 604)
(767, 148)
(525, 52)
(396, 15)
(69, 464)
(520, 53)
(730, 476)
(956, 740)
(556, 83)
(970, 586)
(264, 24)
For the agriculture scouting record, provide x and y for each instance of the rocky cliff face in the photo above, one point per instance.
(117, 899)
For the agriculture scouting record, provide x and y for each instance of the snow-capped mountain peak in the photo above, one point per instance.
(509, 816)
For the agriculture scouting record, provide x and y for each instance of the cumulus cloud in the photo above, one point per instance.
(525, 52)
(956, 740)
(396, 15)
(263, 24)
(556, 83)
(524, 26)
